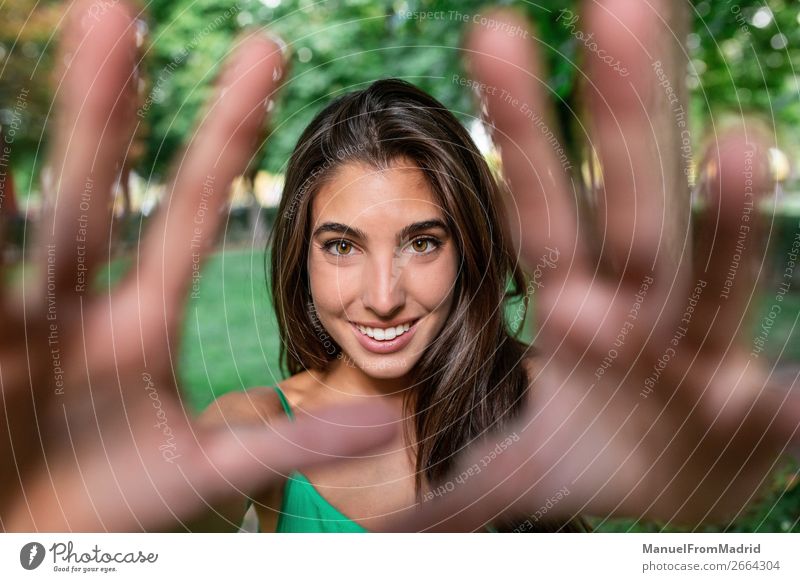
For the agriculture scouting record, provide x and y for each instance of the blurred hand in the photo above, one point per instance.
(94, 435)
(645, 401)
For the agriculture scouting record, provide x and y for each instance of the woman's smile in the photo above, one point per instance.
(385, 340)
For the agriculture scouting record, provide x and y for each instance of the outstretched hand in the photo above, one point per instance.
(646, 402)
(94, 436)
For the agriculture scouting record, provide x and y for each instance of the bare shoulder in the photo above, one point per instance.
(261, 404)
(303, 390)
(252, 406)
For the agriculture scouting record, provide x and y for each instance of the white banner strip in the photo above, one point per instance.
(377, 557)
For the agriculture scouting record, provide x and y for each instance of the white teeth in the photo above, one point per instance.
(384, 334)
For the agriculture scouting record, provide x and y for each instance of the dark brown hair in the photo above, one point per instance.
(471, 380)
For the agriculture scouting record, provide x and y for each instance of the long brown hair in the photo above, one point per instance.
(471, 379)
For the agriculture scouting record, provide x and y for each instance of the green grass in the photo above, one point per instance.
(777, 511)
(230, 336)
(230, 339)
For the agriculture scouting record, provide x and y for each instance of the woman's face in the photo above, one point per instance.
(382, 265)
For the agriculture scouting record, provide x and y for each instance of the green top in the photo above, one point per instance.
(303, 508)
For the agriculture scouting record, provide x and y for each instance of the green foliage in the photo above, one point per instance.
(740, 62)
(26, 65)
(341, 45)
(743, 56)
(337, 46)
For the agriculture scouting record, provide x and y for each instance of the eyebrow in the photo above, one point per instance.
(405, 232)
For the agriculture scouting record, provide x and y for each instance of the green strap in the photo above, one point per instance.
(288, 410)
(284, 402)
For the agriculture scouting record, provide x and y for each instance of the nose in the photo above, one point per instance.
(382, 281)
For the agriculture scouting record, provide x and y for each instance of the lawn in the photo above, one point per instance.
(230, 337)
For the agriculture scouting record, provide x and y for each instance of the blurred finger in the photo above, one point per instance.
(127, 483)
(484, 489)
(542, 218)
(220, 150)
(730, 253)
(94, 128)
(241, 455)
(622, 96)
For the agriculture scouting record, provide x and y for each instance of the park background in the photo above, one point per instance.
(729, 58)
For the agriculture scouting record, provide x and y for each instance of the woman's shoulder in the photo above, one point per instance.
(258, 404)
(300, 390)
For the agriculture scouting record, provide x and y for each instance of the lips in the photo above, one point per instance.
(384, 346)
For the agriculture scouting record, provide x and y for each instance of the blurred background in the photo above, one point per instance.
(726, 58)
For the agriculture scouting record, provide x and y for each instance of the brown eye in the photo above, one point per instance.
(339, 247)
(421, 245)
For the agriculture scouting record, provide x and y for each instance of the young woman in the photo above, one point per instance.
(390, 276)
(391, 271)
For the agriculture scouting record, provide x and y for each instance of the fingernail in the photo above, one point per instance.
(285, 49)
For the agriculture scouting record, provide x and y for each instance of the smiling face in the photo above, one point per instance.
(382, 265)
